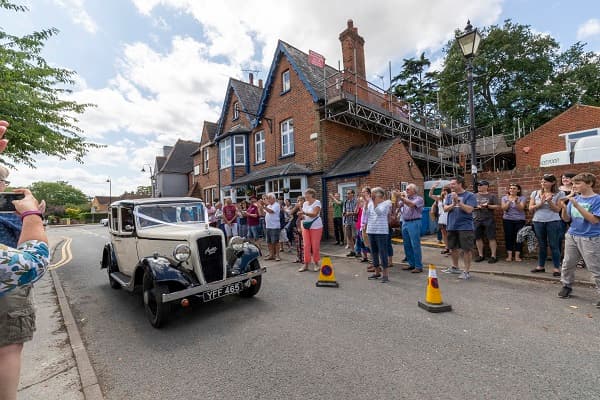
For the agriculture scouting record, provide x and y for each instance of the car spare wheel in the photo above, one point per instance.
(253, 289)
(156, 311)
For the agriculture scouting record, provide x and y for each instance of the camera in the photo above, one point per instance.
(6, 199)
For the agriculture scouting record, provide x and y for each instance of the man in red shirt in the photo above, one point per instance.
(230, 215)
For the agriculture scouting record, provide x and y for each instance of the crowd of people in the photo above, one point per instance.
(564, 219)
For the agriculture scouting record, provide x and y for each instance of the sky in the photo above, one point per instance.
(156, 69)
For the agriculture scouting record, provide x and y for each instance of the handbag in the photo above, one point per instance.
(308, 224)
(394, 218)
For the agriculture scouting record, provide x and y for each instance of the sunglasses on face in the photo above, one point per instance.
(5, 182)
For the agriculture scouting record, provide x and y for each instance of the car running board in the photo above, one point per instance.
(122, 279)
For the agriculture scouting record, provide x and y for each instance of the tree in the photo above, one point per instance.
(32, 99)
(59, 194)
(417, 86)
(518, 74)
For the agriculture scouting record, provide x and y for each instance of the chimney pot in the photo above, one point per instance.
(251, 78)
(350, 24)
(260, 83)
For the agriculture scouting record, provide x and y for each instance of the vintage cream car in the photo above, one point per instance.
(166, 247)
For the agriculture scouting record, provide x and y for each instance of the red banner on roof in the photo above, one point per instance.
(316, 59)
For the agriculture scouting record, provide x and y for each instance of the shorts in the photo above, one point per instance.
(252, 231)
(350, 230)
(273, 235)
(485, 228)
(463, 240)
(17, 316)
(231, 230)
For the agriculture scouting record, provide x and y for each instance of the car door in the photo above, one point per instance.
(124, 240)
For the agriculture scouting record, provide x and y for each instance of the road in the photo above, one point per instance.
(506, 338)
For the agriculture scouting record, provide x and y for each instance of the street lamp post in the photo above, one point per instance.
(468, 42)
(109, 191)
(152, 177)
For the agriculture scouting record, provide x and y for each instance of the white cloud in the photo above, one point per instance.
(589, 29)
(391, 28)
(79, 15)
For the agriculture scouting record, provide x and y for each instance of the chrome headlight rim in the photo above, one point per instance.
(182, 252)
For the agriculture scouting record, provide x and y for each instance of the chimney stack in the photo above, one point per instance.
(353, 52)
(260, 83)
(251, 78)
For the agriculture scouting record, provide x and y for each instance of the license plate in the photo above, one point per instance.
(226, 290)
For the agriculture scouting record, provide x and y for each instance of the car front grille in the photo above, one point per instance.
(210, 250)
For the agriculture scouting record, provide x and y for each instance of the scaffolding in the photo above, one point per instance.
(438, 150)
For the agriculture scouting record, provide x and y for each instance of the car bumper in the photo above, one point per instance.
(197, 290)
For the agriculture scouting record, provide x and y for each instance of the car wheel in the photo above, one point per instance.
(113, 283)
(156, 311)
(252, 290)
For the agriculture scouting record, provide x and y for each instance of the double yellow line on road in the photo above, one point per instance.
(66, 255)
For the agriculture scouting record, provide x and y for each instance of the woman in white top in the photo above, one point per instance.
(378, 229)
(442, 215)
(312, 229)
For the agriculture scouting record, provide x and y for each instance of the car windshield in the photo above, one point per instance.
(152, 215)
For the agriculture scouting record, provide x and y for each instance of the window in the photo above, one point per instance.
(287, 137)
(225, 151)
(344, 188)
(259, 146)
(236, 110)
(205, 157)
(196, 170)
(288, 188)
(207, 196)
(239, 148)
(285, 81)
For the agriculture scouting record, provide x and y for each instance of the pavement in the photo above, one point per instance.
(56, 364)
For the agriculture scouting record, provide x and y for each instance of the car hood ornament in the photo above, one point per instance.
(210, 251)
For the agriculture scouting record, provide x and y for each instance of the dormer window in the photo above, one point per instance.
(236, 110)
(285, 79)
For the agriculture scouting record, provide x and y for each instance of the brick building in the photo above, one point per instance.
(280, 138)
(551, 137)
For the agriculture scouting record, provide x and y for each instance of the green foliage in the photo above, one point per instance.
(72, 212)
(518, 74)
(89, 217)
(32, 99)
(58, 194)
(418, 86)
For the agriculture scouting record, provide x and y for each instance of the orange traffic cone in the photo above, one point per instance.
(433, 297)
(326, 274)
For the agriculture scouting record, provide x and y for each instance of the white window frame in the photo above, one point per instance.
(236, 110)
(237, 147)
(205, 158)
(259, 147)
(342, 187)
(282, 183)
(287, 135)
(225, 152)
(286, 84)
(196, 169)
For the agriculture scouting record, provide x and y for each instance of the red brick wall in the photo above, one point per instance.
(529, 179)
(391, 169)
(545, 139)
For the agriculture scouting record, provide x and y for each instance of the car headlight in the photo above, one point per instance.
(182, 252)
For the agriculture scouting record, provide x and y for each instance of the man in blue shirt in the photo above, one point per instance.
(583, 237)
(411, 208)
(459, 205)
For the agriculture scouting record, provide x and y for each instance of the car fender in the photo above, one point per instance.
(244, 257)
(109, 258)
(163, 271)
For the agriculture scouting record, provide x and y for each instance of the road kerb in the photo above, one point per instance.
(89, 381)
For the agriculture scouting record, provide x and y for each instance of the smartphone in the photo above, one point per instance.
(6, 199)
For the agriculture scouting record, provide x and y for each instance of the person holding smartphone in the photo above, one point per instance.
(24, 257)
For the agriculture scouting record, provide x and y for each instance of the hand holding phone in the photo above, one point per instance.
(6, 201)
